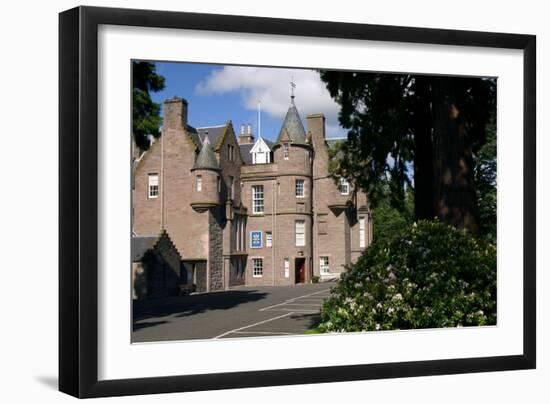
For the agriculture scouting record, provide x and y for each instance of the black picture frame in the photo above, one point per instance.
(78, 200)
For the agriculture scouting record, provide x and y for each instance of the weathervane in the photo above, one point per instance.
(292, 87)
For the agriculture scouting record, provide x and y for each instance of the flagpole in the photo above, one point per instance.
(259, 119)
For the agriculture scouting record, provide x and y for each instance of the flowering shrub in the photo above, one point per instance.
(429, 275)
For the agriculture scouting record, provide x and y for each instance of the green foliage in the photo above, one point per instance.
(389, 220)
(391, 121)
(486, 183)
(146, 118)
(430, 275)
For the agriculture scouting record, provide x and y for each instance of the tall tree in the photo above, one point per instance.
(146, 119)
(486, 183)
(399, 124)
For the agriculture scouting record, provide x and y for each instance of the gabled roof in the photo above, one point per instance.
(206, 158)
(292, 129)
(247, 148)
(142, 244)
(260, 145)
(215, 134)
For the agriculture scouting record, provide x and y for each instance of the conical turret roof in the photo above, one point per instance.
(206, 158)
(292, 126)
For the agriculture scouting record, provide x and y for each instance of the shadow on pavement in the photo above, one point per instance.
(189, 305)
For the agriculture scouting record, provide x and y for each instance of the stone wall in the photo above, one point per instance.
(215, 254)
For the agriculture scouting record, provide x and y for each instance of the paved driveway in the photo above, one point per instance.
(242, 312)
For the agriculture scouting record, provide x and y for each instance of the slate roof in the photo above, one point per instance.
(206, 158)
(194, 135)
(140, 245)
(293, 126)
(214, 134)
(245, 150)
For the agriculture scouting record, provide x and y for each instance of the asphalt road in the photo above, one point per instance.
(242, 312)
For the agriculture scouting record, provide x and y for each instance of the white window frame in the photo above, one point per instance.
(362, 238)
(257, 267)
(268, 239)
(344, 186)
(300, 233)
(153, 186)
(286, 151)
(300, 191)
(198, 183)
(324, 265)
(257, 201)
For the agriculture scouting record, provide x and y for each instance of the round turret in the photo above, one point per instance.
(207, 179)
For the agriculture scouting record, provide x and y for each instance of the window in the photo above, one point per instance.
(260, 158)
(219, 184)
(240, 233)
(268, 239)
(299, 188)
(323, 264)
(198, 182)
(361, 232)
(153, 186)
(231, 187)
(344, 186)
(287, 268)
(257, 267)
(257, 199)
(230, 152)
(285, 151)
(300, 232)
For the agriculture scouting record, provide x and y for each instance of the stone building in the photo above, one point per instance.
(156, 267)
(247, 211)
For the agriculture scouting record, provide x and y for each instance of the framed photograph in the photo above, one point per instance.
(251, 202)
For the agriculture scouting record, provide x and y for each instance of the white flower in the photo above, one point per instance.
(391, 310)
(377, 326)
(397, 296)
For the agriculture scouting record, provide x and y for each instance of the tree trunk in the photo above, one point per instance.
(423, 153)
(454, 193)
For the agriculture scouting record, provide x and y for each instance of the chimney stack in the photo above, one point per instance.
(175, 113)
(248, 137)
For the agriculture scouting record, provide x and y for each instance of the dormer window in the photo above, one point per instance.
(285, 151)
(261, 152)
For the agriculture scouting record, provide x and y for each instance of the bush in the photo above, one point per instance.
(428, 275)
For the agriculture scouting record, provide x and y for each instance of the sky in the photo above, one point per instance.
(218, 93)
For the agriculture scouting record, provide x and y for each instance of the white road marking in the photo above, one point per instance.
(251, 325)
(262, 332)
(276, 307)
(297, 310)
(293, 300)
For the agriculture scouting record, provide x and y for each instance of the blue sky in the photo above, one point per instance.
(218, 93)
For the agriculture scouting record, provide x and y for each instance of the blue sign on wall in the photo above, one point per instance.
(255, 239)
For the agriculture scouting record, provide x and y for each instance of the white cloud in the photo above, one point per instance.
(272, 87)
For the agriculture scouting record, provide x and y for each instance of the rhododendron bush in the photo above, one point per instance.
(428, 275)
